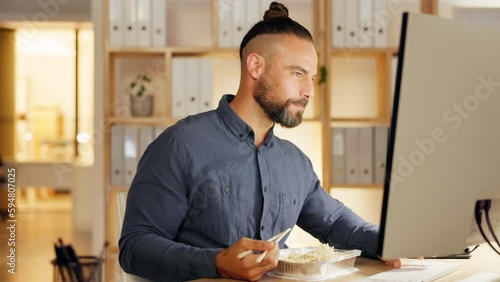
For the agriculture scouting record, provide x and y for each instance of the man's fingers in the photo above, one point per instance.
(396, 263)
(246, 267)
(256, 245)
(270, 256)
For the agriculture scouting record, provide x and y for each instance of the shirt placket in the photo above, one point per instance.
(267, 210)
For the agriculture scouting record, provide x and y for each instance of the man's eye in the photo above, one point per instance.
(297, 74)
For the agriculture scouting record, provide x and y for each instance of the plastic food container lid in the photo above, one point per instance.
(342, 263)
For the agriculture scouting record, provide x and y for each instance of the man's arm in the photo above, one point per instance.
(156, 207)
(331, 221)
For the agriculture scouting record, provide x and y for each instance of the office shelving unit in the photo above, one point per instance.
(192, 31)
(199, 39)
(379, 60)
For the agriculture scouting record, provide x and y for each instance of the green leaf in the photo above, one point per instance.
(141, 91)
(139, 85)
(322, 75)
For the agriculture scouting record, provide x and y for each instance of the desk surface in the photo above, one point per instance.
(484, 260)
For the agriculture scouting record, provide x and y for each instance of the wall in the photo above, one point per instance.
(36, 13)
(7, 99)
(446, 6)
(99, 188)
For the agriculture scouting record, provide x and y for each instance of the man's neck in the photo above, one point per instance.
(253, 115)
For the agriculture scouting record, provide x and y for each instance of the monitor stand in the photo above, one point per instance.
(465, 255)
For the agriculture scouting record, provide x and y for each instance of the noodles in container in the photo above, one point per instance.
(315, 263)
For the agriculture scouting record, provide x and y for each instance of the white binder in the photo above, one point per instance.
(380, 153)
(146, 137)
(130, 150)
(192, 97)
(338, 23)
(179, 84)
(159, 23)
(206, 84)
(225, 26)
(116, 24)
(117, 165)
(253, 14)
(365, 155)
(263, 7)
(130, 21)
(338, 172)
(352, 157)
(380, 24)
(144, 22)
(239, 25)
(351, 23)
(365, 36)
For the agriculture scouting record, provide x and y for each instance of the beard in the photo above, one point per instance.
(277, 111)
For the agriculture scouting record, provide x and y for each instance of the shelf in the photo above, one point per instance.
(137, 50)
(370, 186)
(174, 50)
(142, 120)
(359, 121)
(162, 120)
(120, 188)
(392, 50)
(311, 120)
(363, 51)
(181, 50)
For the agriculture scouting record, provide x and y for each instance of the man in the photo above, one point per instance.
(218, 183)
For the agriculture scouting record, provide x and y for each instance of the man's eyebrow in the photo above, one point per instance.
(299, 68)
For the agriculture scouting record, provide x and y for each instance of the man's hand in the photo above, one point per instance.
(228, 265)
(396, 263)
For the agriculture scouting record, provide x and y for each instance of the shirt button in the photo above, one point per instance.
(226, 189)
(262, 228)
(265, 189)
(241, 135)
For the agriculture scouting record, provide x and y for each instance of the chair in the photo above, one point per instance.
(121, 203)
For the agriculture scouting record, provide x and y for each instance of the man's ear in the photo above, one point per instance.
(255, 65)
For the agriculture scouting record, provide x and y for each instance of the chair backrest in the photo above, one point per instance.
(121, 203)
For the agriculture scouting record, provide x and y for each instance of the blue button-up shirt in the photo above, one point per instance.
(203, 184)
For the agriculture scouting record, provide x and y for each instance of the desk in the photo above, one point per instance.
(484, 259)
(76, 177)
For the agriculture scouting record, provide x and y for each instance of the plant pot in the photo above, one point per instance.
(141, 106)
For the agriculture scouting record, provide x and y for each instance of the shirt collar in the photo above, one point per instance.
(235, 124)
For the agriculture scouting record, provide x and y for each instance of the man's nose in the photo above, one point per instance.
(308, 89)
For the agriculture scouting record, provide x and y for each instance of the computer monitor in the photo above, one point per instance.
(444, 142)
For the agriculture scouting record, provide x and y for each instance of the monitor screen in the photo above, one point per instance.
(444, 144)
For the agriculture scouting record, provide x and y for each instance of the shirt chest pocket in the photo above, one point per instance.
(289, 210)
(221, 217)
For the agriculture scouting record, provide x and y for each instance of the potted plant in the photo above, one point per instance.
(141, 99)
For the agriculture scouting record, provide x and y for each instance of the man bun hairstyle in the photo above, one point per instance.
(275, 21)
(276, 10)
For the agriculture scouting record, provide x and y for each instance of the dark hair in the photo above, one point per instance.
(276, 21)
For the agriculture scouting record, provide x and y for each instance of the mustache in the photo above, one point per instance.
(298, 102)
